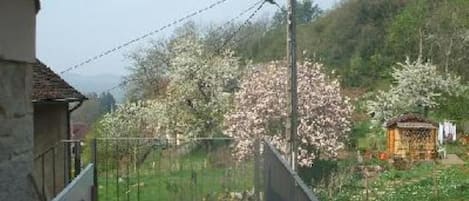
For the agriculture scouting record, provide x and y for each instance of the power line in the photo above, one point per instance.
(105, 53)
(239, 15)
(226, 41)
(243, 25)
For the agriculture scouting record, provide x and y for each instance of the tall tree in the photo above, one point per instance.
(419, 87)
(196, 95)
(306, 12)
(106, 102)
(149, 70)
(260, 111)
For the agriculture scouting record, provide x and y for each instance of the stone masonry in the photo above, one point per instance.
(16, 132)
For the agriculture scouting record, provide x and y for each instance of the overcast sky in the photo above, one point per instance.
(69, 32)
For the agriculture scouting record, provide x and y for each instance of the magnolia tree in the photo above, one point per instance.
(418, 86)
(260, 110)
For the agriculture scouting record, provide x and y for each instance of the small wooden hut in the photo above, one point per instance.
(412, 137)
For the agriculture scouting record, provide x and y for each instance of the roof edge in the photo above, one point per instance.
(68, 100)
(37, 4)
(407, 116)
(53, 79)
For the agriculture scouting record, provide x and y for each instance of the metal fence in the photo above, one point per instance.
(154, 169)
(281, 183)
(140, 169)
(55, 167)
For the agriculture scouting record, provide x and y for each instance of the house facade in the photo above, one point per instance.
(17, 53)
(53, 100)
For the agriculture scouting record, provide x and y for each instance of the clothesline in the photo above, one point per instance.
(447, 131)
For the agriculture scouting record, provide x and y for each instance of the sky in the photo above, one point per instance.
(69, 32)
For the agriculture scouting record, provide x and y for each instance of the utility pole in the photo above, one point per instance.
(292, 82)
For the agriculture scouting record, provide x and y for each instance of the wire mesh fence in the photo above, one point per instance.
(193, 169)
(154, 169)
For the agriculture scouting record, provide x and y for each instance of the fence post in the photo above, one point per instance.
(94, 151)
(67, 170)
(77, 161)
(53, 173)
(256, 169)
(43, 173)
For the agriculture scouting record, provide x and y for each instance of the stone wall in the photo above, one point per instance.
(16, 132)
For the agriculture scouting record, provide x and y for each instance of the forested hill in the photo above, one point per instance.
(362, 40)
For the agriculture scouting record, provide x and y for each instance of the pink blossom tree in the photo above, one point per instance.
(260, 110)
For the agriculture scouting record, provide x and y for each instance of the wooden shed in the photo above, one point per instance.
(412, 137)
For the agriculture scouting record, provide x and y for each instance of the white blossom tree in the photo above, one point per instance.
(418, 86)
(260, 110)
(137, 119)
(197, 95)
(195, 98)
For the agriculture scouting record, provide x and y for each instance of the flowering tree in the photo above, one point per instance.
(138, 119)
(195, 98)
(260, 109)
(418, 87)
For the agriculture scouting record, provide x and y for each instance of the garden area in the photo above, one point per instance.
(399, 147)
(381, 180)
(165, 174)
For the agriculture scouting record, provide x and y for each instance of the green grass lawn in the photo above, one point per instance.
(199, 175)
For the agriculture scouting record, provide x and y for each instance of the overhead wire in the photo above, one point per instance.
(227, 40)
(107, 52)
(246, 22)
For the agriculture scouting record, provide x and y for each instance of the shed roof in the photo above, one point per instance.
(411, 118)
(48, 86)
(415, 125)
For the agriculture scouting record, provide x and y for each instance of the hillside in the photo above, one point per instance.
(362, 40)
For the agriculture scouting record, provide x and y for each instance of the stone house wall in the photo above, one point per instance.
(16, 132)
(17, 52)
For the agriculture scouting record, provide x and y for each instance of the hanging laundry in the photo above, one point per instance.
(440, 133)
(454, 133)
(447, 132)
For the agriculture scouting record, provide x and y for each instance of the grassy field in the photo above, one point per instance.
(198, 175)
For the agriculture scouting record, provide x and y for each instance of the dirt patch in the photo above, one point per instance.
(452, 159)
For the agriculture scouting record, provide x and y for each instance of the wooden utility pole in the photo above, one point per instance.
(292, 82)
